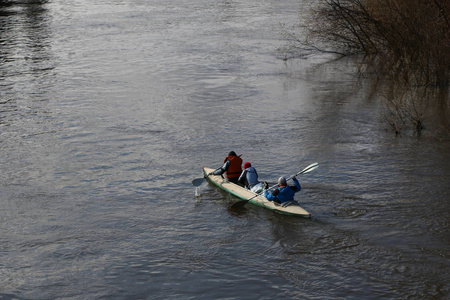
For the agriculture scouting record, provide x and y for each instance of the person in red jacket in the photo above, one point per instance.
(232, 165)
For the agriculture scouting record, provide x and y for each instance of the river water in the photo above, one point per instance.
(108, 111)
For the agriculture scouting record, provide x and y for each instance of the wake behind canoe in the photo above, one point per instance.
(259, 200)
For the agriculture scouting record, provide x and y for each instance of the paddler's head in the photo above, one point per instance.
(232, 153)
(282, 181)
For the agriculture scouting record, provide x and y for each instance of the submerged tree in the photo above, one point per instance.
(405, 41)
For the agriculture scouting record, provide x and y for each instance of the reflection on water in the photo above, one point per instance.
(109, 109)
(25, 52)
(421, 110)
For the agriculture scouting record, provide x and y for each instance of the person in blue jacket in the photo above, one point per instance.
(283, 193)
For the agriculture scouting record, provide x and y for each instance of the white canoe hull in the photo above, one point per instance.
(259, 200)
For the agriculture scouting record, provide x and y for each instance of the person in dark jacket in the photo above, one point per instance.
(232, 166)
(283, 193)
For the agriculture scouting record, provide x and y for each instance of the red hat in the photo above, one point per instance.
(247, 165)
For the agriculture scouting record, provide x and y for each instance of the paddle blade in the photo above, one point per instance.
(310, 168)
(239, 204)
(197, 181)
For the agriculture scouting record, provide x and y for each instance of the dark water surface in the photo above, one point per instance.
(108, 110)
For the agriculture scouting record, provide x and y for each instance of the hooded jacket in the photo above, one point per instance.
(251, 177)
(284, 194)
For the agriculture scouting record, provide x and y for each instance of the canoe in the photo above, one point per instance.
(260, 200)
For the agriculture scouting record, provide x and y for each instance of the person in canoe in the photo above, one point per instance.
(284, 193)
(248, 177)
(232, 165)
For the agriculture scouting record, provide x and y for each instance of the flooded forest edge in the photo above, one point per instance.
(404, 46)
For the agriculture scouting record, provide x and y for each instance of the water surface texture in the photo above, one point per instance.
(109, 109)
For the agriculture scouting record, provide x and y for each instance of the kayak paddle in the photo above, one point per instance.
(199, 181)
(305, 170)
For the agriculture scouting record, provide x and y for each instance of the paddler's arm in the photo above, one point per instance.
(221, 170)
(297, 185)
(242, 176)
(271, 196)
